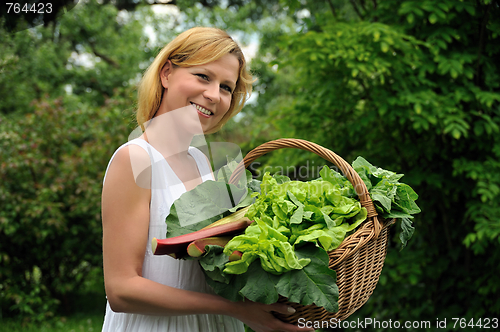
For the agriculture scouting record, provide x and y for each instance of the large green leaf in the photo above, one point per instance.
(260, 285)
(208, 202)
(315, 283)
(213, 263)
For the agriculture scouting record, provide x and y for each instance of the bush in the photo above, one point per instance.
(52, 167)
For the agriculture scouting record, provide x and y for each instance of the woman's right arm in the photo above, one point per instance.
(125, 219)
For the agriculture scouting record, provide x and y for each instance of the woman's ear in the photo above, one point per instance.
(165, 71)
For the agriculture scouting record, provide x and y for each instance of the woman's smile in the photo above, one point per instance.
(202, 110)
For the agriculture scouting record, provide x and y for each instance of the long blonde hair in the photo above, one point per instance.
(196, 46)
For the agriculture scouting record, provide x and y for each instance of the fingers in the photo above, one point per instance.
(282, 309)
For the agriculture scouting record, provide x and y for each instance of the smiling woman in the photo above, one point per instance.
(195, 84)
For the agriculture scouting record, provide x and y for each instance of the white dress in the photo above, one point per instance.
(166, 187)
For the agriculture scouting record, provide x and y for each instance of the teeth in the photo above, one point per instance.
(202, 109)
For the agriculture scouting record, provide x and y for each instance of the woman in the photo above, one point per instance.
(195, 85)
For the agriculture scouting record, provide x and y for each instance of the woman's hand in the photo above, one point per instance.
(259, 317)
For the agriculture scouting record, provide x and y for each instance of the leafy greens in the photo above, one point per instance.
(289, 213)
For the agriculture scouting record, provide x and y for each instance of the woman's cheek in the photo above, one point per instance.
(228, 104)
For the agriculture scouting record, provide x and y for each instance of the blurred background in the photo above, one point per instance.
(413, 86)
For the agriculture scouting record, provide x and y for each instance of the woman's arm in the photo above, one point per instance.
(125, 219)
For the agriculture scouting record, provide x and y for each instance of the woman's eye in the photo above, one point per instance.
(227, 88)
(202, 76)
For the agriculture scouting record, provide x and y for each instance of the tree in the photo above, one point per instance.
(88, 51)
(51, 171)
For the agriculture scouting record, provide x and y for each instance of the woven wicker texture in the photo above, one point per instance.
(358, 261)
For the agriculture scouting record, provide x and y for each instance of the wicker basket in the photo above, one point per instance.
(358, 261)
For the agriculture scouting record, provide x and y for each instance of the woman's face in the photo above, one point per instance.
(208, 88)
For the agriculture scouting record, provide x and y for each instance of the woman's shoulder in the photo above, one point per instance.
(130, 158)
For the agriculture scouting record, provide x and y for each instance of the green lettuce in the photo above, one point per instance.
(287, 213)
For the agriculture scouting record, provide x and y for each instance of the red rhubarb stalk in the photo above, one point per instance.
(178, 244)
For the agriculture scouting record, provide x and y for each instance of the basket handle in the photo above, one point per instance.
(347, 170)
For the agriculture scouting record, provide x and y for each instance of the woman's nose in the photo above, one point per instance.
(212, 93)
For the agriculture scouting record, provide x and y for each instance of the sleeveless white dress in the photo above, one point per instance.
(166, 188)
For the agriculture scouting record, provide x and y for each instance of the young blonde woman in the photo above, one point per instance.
(195, 84)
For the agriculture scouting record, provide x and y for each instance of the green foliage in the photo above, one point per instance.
(30, 67)
(89, 51)
(52, 167)
(315, 283)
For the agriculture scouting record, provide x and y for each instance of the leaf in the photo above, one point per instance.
(418, 108)
(297, 215)
(260, 286)
(397, 214)
(333, 177)
(433, 18)
(315, 283)
(405, 199)
(229, 290)
(213, 264)
(175, 229)
(383, 200)
(206, 203)
(246, 201)
(410, 18)
(281, 178)
(254, 186)
(407, 231)
(294, 199)
(384, 47)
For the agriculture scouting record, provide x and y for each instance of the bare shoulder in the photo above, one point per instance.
(127, 181)
(131, 163)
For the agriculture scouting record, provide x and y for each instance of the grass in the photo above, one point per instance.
(81, 322)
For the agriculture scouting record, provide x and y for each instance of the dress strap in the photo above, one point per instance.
(203, 164)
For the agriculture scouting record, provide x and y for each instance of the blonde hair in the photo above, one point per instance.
(196, 46)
